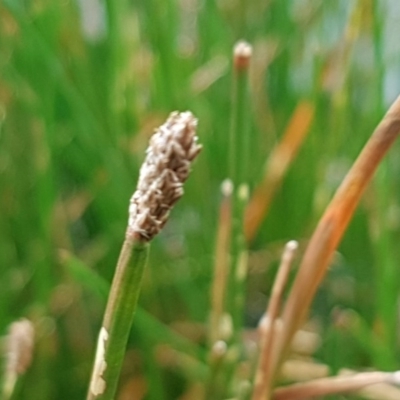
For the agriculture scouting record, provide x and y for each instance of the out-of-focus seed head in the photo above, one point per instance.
(167, 165)
(18, 348)
(242, 53)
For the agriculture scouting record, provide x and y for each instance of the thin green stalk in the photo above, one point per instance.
(118, 318)
(113, 62)
(238, 169)
(239, 143)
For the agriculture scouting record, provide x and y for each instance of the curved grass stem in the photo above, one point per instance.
(332, 226)
(268, 326)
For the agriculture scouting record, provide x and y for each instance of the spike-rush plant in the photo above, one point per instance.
(172, 149)
(239, 221)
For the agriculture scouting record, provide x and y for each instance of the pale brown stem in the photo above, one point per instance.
(268, 325)
(380, 391)
(334, 385)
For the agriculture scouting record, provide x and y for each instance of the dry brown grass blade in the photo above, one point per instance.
(380, 391)
(276, 167)
(268, 324)
(332, 225)
(334, 385)
(221, 266)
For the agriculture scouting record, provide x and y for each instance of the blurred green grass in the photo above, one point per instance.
(77, 105)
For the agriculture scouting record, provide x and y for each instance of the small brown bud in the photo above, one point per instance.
(242, 53)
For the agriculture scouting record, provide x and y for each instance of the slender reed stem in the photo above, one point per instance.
(238, 169)
(118, 319)
(268, 325)
(223, 365)
(332, 225)
(334, 385)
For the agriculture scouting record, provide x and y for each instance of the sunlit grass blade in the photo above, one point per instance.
(276, 166)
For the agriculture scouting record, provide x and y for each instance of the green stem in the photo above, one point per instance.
(239, 167)
(223, 370)
(118, 318)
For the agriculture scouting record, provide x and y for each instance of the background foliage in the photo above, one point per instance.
(82, 86)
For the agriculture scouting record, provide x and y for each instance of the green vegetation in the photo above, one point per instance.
(78, 103)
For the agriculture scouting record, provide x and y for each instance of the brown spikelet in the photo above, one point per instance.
(167, 165)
